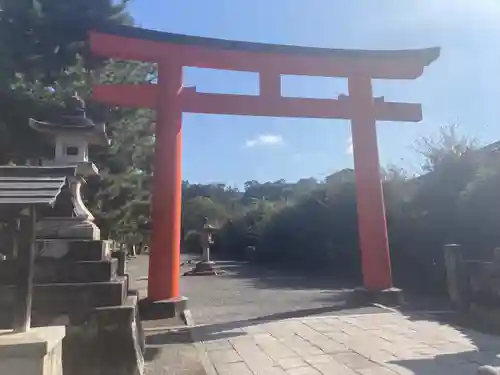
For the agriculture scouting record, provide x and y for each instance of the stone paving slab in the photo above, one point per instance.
(370, 344)
(171, 352)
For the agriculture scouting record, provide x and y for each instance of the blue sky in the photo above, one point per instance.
(462, 87)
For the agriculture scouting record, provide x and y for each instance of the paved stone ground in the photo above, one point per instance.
(371, 344)
(255, 321)
(172, 352)
(243, 295)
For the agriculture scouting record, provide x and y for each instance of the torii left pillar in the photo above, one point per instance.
(164, 261)
(163, 297)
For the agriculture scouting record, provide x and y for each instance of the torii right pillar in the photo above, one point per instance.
(372, 225)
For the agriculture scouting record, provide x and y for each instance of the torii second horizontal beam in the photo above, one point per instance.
(145, 96)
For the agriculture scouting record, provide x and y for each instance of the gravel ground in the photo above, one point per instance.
(246, 292)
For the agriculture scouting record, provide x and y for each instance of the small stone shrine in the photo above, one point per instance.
(79, 281)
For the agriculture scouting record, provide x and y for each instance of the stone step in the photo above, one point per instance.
(121, 315)
(50, 271)
(70, 298)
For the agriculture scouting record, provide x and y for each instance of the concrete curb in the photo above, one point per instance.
(205, 361)
(421, 312)
(392, 309)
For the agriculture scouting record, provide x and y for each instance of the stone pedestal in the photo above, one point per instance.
(36, 352)
(203, 268)
(156, 310)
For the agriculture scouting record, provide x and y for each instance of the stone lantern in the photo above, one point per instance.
(71, 136)
(77, 280)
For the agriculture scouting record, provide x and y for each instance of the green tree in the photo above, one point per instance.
(196, 209)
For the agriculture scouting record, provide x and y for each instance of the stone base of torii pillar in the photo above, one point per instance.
(387, 297)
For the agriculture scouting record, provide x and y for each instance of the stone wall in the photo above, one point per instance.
(473, 277)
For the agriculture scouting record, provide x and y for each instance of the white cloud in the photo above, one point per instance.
(349, 149)
(265, 139)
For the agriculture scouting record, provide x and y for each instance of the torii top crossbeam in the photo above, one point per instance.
(152, 46)
(270, 60)
(172, 52)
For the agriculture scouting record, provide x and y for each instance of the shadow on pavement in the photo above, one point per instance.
(210, 332)
(265, 277)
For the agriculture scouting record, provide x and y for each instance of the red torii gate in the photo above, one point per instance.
(170, 99)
